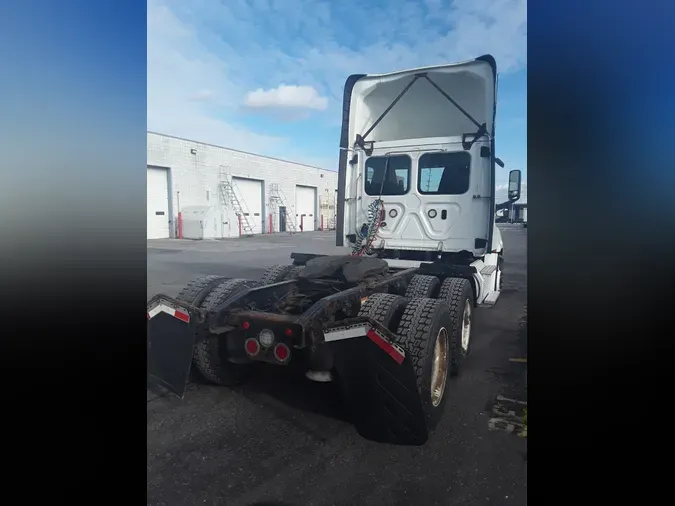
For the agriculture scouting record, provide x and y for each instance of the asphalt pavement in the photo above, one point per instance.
(281, 439)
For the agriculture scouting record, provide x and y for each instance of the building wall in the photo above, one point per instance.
(520, 212)
(194, 178)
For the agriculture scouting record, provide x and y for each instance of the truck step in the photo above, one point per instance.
(491, 299)
(488, 270)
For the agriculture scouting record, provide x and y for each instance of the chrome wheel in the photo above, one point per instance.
(466, 326)
(439, 367)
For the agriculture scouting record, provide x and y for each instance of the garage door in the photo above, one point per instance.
(250, 195)
(305, 206)
(158, 203)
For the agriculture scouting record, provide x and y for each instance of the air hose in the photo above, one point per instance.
(366, 236)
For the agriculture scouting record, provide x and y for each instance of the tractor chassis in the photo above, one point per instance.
(375, 374)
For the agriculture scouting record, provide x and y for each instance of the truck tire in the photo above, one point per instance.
(274, 274)
(424, 332)
(293, 272)
(194, 293)
(384, 308)
(210, 357)
(197, 289)
(458, 295)
(423, 286)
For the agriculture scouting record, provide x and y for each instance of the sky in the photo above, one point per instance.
(266, 76)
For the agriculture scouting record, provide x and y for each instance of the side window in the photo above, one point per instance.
(444, 173)
(392, 181)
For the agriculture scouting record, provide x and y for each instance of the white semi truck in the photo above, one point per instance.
(391, 319)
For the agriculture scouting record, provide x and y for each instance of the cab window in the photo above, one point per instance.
(394, 180)
(444, 173)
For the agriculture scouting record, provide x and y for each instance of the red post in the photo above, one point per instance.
(322, 222)
(271, 225)
(302, 222)
(180, 225)
(239, 217)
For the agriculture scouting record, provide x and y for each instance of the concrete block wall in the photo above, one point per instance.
(194, 178)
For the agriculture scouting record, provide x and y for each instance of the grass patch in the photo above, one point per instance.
(524, 431)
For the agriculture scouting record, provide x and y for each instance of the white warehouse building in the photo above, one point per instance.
(220, 192)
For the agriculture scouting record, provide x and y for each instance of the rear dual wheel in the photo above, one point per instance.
(436, 332)
(458, 296)
(423, 326)
(425, 332)
(209, 356)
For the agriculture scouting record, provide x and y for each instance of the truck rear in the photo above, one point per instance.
(391, 319)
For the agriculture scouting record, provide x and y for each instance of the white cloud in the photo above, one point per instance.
(286, 96)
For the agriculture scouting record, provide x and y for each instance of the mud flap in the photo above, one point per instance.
(172, 327)
(382, 393)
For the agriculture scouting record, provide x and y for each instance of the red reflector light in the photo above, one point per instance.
(182, 316)
(246, 325)
(252, 346)
(281, 352)
(288, 332)
(390, 350)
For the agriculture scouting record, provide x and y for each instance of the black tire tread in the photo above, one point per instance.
(453, 291)
(414, 331)
(422, 286)
(274, 274)
(207, 357)
(192, 291)
(384, 308)
(293, 272)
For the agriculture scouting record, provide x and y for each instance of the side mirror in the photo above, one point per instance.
(514, 185)
(499, 162)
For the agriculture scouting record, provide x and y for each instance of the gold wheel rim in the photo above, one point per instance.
(439, 367)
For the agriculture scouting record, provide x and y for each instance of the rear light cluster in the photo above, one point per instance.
(246, 325)
(266, 339)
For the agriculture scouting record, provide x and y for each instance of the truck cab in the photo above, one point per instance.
(420, 146)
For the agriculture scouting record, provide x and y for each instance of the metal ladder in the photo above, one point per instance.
(326, 211)
(228, 196)
(277, 199)
(332, 207)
